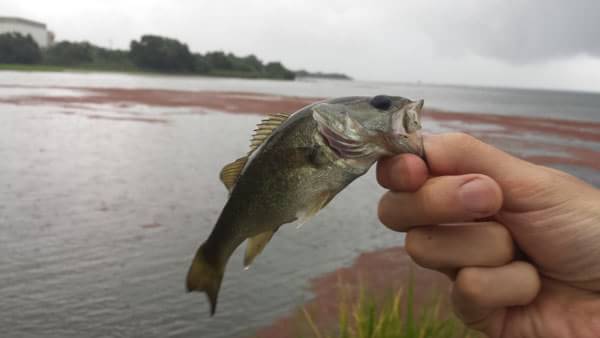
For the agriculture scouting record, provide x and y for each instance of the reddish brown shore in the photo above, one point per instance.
(233, 102)
(503, 133)
(381, 273)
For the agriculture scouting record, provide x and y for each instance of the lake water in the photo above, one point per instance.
(557, 104)
(99, 218)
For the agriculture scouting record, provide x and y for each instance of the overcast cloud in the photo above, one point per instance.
(550, 44)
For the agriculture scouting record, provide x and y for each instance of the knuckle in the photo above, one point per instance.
(505, 243)
(536, 189)
(382, 175)
(419, 247)
(414, 245)
(463, 139)
(544, 177)
(491, 194)
(386, 211)
(382, 209)
(471, 285)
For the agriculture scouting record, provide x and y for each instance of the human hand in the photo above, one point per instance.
(501, 209)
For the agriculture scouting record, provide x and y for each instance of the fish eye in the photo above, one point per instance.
(381, 102)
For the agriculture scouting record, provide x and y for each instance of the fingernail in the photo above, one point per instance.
(474, 196)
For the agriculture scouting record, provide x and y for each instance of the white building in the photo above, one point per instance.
(38, 31)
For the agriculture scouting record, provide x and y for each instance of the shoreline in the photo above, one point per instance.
(545, 134)
(44, 68)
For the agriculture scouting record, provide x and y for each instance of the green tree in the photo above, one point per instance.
(17, 48)
(253, 63)
(111, 58)
(218, 60)
(67, 53)
(201, 65)
(277, 71)
(161, 54)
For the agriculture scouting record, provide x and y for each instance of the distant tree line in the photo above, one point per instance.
(158, 53)
(151, 53)
(16, 48)
(321, 75)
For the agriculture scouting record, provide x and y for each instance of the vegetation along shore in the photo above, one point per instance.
(152, 53)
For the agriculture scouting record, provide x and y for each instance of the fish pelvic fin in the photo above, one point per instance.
(206, 277)
(318, 203)
(256, 245)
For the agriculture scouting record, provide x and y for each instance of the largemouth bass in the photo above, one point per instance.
(298, 163)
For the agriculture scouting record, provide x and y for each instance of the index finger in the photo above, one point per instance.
(405, 172)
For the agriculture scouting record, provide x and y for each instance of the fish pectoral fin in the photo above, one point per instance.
(314, 206)
(313, 155)
(231, 172)
(256, 245)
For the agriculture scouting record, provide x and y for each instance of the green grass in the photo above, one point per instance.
(92, 67)
(32, 68)
(125, 68)
(395, 317)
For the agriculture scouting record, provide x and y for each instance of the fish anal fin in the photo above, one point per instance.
(318, 203)
(256, 245)
(231, 172)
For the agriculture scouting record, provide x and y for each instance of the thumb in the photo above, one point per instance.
(525, 186)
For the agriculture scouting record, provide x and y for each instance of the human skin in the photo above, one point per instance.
(521, 242)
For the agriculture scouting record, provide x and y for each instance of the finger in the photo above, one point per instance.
(445, 248)
(406, 172)
(479, 292)
(443, 199)
(458, 153)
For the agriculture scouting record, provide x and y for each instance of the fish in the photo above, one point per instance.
(297, 163)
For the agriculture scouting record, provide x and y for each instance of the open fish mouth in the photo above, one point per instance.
(405, 132)
(344, 135)
(405, 143)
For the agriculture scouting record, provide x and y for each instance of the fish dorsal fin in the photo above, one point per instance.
(265, 128)
(231, 172)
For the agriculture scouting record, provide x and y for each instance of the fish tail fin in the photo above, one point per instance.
(205, 276)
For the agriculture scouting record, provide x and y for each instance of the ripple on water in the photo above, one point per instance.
(100, 218)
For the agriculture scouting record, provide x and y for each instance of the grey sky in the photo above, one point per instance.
(551, 44)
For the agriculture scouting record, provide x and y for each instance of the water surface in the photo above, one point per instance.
(100, 214)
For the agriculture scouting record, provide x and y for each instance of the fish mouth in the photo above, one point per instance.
(405, 134)
(406, 143)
